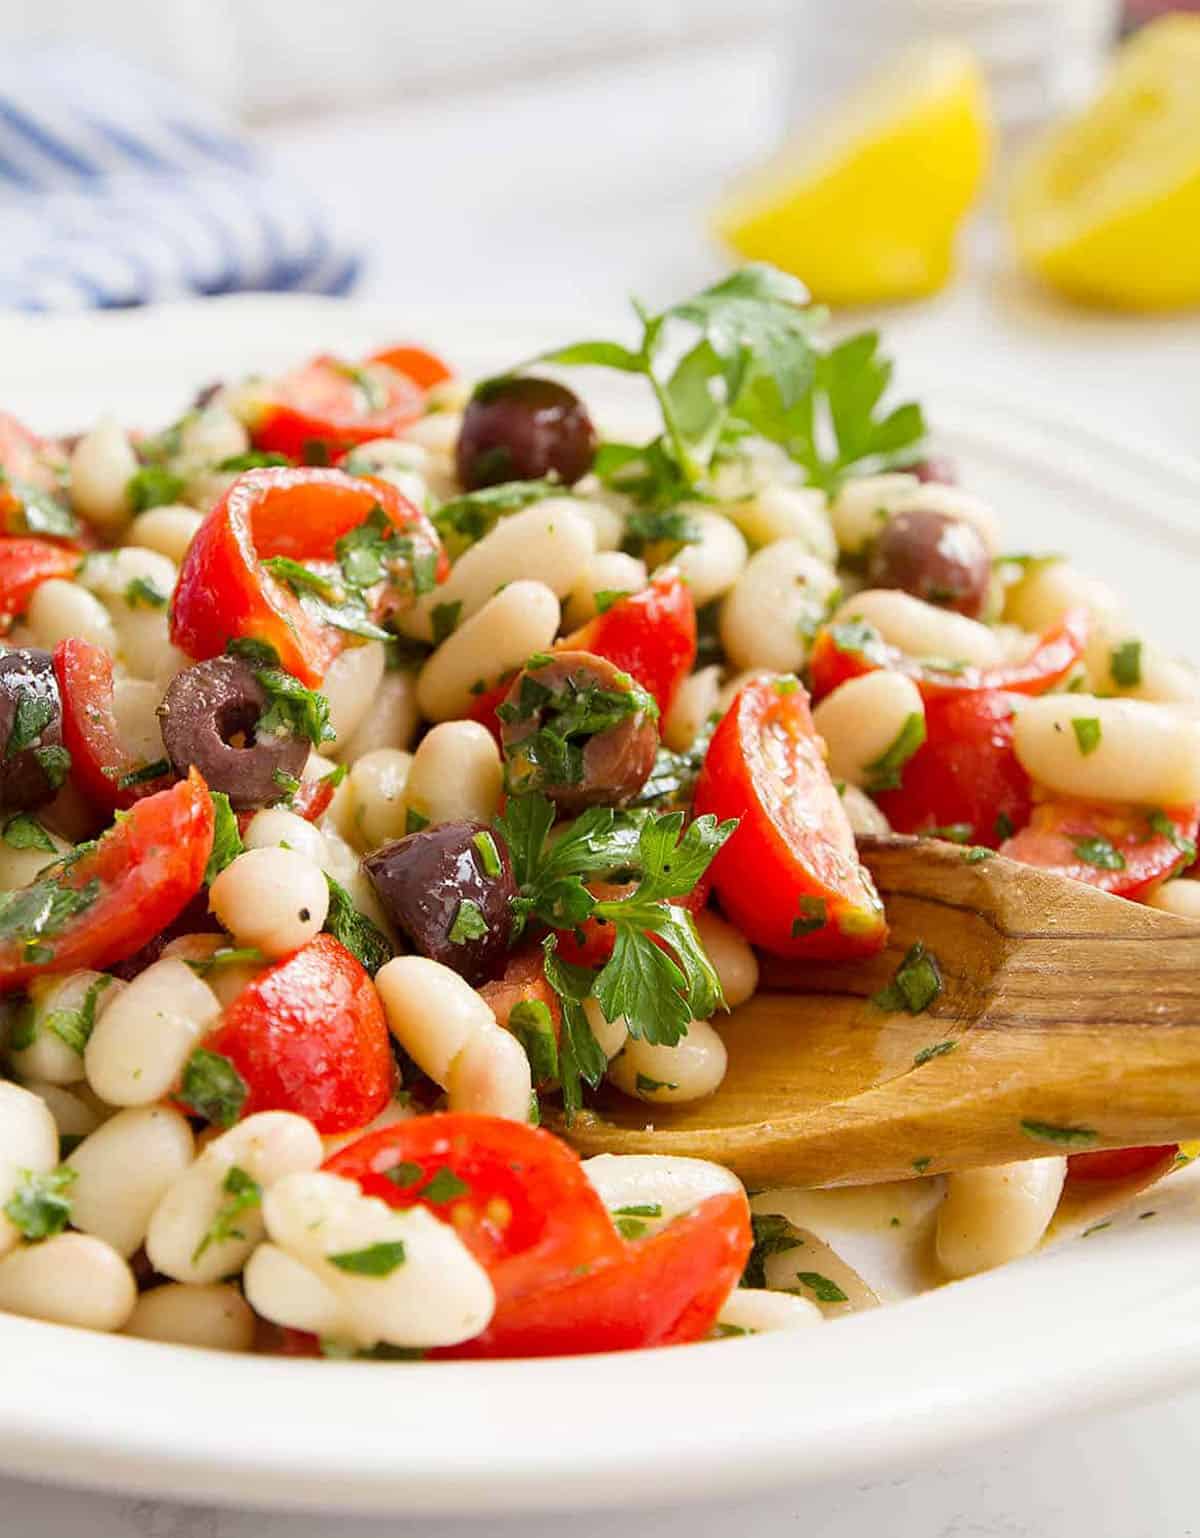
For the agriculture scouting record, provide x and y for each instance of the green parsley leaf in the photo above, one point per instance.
(927, 1054)
(489, 855)
(292, 710)
(33, 714)
(289, 784)
(144, 774)
(405, 1174)
(917, 982)
(24, 831)
(1161, 824)
(1087, 733)
(244, 1195)
(328, 598)
(580, 1057)
(977, 855)
(258, 653)
(444, 1186)
(252, 459)
(227, 956)
(645, 1085)
(1100, 853)
(1125, 664)
(41, 513)
(639, 1210)
(213, 1087)
(469, 923)
(1003, 827)
(563, 717)
(38, 912)
(467, 518)
(445, 618)
(531, 1023)
(653, 526)
(630, 1228)
(54, 762)
(227, 839)
(773, 1235)
(605, 597)
(673, 779)
(376, 1260)
(75, 1026)
(141, 593)
(1066, 1137)
(365, 941)
(922, 1164)
(887, 771)
(39, 1206)
(952, 832)
(822, 1288)
(152, 486)
(414, 821)
(814, 915)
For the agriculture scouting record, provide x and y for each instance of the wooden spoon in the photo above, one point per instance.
(1073, 1019)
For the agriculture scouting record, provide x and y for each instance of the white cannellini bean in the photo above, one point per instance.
(211, 435)
(226, 980)
(140, 618)
(865, 817)
(49, 1056)
(124, 1169)
(712, 564)
(695, 700)
(59, 610)
(611, 1035)
(168, 529)
(758, 1311)
(20, 867)
(344, 864)
(490, 1076)
(456, 774)
(266, 1147)
(865, 717)
(606, 511)
(780, 512)
(392, 720)
(950, 502)
(70, 1279)
(275, 827)
(351, 683)
(920, 629)
(863, 506)
(436, 1295)
(437, 432)
(994, 1215)
(518, 621)
(28, 1141)
(102, 465)
(431, 1011)
(1149, 754)
(171, 661)
(608, 571)
(145, 1035)
(730, 952)
(775, 607)
(1181, 897)
(377, 782)
(214, 1318)
(691, 1069)
(285, 1291)
(669, 1181)
(550, 543)
(273, 899)
(1158, 677)
(1041, 598)
(135, 710)
(74, 1115)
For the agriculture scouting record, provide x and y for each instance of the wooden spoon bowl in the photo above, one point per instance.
(1073, 1019)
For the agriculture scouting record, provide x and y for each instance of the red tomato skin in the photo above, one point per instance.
(1056, 827)
(1057, 652)
(423, 367)
(1120, 1163)
(530, 1216)
(150, 865)
(650, 635)
(309, 1036)
(25, 563)
(89, 728)
(318, 404)
(596, 946)
(223, 591)
(483, 706)
(664, 1290)
(793, 841)
(965, 771)
(313, 798)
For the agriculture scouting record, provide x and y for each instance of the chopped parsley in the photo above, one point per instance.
(1162, 824)
(469, 923)
(213, 1087)
(141, 593)
(325, 597)
(227, 839)
(922, 1164)
(365, 941)
(292, 710)
(563, 718)
(40, 512)
(640, 1210)
(145, 774)
(405, 1174)
(605, 597)
(244, 1194)
(54, 762)
(445, 617)
(40, 1206)
(814, 915)
(152, 486)
(469, 517)
(1099, 852)
(443, 1186)
(75, 1026)
(645, 1085)
(823, 1288)
(414, 821)
(1065, 1137)
(952, 832)
(653, 526)
(33, 914)
(917, 983)
(24, 831)
(1003, 826)
(252, 459)
(773, 1235)
(1087, 733)
(376, 1260)
(1125, 664)
(227, 956)
(33, 714)
(489, 855)
(532, 1024)
(977, 855)
(927, 1054)
(886, 772)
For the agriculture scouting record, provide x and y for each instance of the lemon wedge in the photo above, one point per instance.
(865, 206)
(1107, 207)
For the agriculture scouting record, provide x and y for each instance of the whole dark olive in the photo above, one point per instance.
(939, 469)
(932, 556)
(450, 890)
(579, 731)
(521, 429)
(208, 718)
(30, 720)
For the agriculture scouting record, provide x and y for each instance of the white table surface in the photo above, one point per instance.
(554, 195)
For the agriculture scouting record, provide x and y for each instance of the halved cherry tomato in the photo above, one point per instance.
(651, 635)
(423, 367)
(1116, 848)
(313, 798)
(592, 944)
(665, 1290)
(1120, 1163)
(483, 707)
(841, 652)
(325, 407)
(223, 590)
(101, 766)
(24, 565)
(309, 1036)
(516, 1196)
(146, 868)
(789, 877)
(965, 775)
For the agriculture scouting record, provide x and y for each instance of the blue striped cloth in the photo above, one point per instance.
(117, 189)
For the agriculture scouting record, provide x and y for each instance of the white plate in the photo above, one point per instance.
(1096, 1322)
